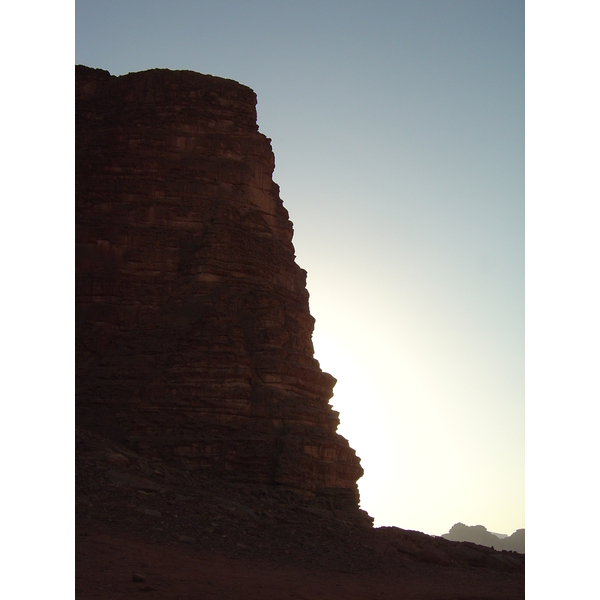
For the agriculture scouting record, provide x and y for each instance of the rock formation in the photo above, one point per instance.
(478, 534)
(193, 331)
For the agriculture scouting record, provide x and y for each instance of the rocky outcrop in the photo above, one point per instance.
(193, 331)
(478, 534)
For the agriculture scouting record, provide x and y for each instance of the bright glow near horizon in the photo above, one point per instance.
(398, 133)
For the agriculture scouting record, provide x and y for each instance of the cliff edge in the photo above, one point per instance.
(193, 331)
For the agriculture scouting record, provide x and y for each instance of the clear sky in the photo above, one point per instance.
(399, 140)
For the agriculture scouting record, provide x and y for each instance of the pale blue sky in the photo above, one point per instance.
(398, 132)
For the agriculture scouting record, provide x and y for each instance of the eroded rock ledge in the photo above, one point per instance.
(193, 331)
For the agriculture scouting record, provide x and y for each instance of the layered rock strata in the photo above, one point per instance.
(193, 331)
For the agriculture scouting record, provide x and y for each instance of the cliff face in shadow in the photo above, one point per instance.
(478, 534)
(193, 331)
(206, 452)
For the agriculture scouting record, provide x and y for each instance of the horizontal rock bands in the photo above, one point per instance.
(193, 331)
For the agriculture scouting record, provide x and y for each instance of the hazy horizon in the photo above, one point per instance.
(398, 134)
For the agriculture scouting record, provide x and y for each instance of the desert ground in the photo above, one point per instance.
(144, 528)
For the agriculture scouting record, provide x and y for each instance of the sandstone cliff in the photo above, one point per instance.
(193, 331)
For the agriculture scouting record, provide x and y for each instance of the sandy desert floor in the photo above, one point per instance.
(106, 565)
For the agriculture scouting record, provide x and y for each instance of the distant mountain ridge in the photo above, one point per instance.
(478, 534)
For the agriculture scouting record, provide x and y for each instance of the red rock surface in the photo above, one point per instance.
(207, 459)
(193, 331)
